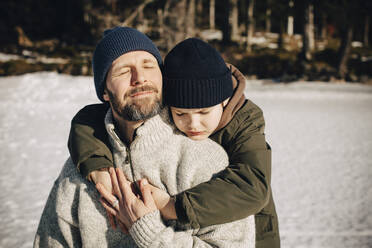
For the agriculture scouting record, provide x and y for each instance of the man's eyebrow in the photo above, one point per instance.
(120, 66)
(148, 61)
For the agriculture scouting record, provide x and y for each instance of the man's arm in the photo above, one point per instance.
(57, 228)
(243, 188)
(88, 142)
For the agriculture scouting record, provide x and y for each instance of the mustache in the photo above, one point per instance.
(141, 89)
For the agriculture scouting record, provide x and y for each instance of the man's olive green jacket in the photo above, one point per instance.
(242, 189)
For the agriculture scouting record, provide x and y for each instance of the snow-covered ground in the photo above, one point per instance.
(321, 135)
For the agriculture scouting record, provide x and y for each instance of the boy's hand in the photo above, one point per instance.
(163, 202)
(102, 176)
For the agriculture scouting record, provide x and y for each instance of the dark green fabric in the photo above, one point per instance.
(243, 188)
(88, 142)
(240, 190)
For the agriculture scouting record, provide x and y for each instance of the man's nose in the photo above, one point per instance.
(138, 77)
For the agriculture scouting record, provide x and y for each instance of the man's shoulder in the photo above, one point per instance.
(70, 178)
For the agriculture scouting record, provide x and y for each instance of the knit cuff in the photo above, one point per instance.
(92, 164)
(145, 230)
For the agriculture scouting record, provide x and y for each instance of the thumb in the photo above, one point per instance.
(148, 200)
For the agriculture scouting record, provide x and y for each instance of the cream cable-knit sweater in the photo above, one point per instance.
(73, 216)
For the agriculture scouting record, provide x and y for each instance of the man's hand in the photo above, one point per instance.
(125, 204)
(103, 177)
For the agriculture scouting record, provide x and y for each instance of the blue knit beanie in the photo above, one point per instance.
(116, 42)
(195, 76)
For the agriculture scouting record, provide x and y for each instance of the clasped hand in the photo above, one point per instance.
(128, 205)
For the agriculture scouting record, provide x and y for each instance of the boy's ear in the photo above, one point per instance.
(105, 95)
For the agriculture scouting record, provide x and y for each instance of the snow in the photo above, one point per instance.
(320, 133)
(32, 57)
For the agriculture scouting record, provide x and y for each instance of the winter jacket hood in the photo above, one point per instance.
(237, 99)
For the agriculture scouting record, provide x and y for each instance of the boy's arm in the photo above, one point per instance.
(243, 188)
(88, 142)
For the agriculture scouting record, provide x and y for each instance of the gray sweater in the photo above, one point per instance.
(73, 216)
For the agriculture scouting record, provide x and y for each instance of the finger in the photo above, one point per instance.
(115, 184)
(148, 200)
(111, 220)
(111, 199)
(124, 185)
(108, 207)
(123, 228)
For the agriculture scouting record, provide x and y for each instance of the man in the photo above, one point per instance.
(145, 71)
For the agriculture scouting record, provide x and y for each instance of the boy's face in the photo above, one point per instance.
(197, 124)
(133, 86)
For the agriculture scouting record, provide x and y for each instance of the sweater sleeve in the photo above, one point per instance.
(149, 231)
(88, 142)
(243, 188)
(56, 230)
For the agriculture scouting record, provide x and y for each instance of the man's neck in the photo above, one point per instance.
(126, 129)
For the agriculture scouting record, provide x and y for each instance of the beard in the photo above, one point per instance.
(136, 110)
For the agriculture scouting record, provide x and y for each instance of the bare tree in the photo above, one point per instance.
(233, 20)
(344, 50)
(250, 25)
(190, 23)
(308, 31)
(268, 17)
(323, 32)
(290, 23)
(367, 21)
(138, 10)
(199, 13)
(212, 10)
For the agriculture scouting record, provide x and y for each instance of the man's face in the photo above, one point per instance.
(133, 86)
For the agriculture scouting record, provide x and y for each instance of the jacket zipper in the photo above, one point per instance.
(135, 183)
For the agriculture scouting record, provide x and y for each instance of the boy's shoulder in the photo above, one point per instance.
(248, 114)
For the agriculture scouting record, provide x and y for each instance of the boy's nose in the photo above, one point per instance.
(194, 122)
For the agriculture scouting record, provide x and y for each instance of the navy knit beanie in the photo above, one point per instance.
(195, 76)
(116, 42)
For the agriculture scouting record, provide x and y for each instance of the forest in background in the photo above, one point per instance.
(286, 40)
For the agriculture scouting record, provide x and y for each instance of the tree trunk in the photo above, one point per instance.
(161, 22)
(366, 30)
(233, 19)
(344, 51)
(323, 33)
(268, 17)
(290, 23)
(199, 13)
(226, 29)
(250, 25)
(308, 32)
(281, 34)
(180, 11)
(212, 10)
(190, 20)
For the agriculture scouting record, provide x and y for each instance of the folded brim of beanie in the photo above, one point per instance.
(197, 93)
